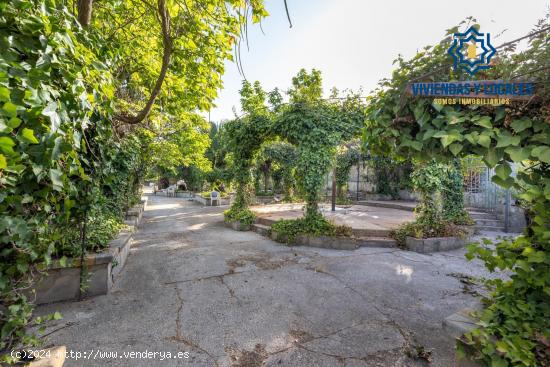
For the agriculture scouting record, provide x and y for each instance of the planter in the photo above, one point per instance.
(134, 215)
(435, 244)
(265, 199)
(62, 283)
(336, 243)
(238, 226)
(206, 200)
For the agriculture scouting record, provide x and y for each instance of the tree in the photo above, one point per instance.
(316, 127)
(178, 141)
(177, 44)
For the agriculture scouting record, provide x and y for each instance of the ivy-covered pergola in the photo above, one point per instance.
(314, 126)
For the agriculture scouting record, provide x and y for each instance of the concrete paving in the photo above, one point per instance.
(238, 299)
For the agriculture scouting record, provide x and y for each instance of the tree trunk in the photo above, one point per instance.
(85, 12)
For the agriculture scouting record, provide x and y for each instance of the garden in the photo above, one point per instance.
(88, 118)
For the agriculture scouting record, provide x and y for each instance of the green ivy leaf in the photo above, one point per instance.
(416, 145)
(6, 145)
(484, 140)
(14, 122)
(455, 148)
(492, 158)
(57, 179)
(509, 182)
(544, 155)
(3, 162)
(51, 112)
(10, 109)
(485, 122)
(503, 170)
(501, 112)
(4, 94)
(518, 154)
(521, 124)
(505, 140)
(27, 135)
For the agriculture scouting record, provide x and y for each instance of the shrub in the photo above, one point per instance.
(102, 226)
(316, 226)
(244, 216)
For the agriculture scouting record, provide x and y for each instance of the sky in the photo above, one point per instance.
(353, 42)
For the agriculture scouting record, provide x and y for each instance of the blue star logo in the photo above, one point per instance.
(472, 50)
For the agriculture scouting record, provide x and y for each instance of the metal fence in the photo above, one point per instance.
(479, 191)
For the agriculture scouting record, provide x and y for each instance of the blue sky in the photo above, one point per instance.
(353, 42)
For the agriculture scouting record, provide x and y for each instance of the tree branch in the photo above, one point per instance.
(167, 53)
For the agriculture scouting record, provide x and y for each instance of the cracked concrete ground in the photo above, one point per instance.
(241, 300)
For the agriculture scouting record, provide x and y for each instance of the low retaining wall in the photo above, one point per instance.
(264, 199)
(62, 281)
(336, 243)
(178, 194)
(426, 245)
(238, 226)
(435, 244)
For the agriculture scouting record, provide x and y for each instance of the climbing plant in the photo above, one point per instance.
(313, 125)
(453, 195)
(244, 137)
(515, 322)
(316, 127)
(63, 171)
(71, 93)
(281, 157)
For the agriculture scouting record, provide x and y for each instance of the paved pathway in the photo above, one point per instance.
(238, 299)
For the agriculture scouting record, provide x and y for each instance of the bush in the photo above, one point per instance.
(102, 227)
(244, 216)
(317, 226)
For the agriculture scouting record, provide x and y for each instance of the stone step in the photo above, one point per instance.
(265, 221)
(261, 229)
(370, 232)
(490, 228)
(376, 242)
(388, 204)
(489, 222)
